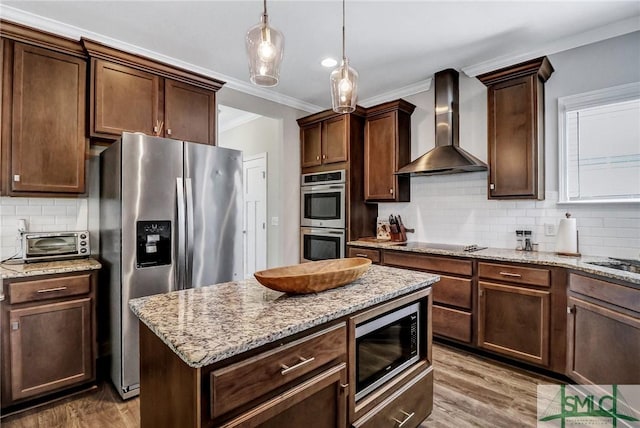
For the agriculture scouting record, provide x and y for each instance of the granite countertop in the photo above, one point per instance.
(208, 324)
(8, 271)
(507, 255)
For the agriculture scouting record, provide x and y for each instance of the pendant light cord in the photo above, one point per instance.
(344, 55)
(265, 11)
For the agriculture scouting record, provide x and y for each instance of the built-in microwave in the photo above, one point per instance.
(323, 199)
(385, 346)
(321, 244)
(42, 246)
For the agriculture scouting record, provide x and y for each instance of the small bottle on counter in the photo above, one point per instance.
(520, 240)
(527, 241)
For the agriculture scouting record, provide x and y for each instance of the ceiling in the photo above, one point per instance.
(396, 46)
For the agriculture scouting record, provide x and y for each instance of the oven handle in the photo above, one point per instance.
(322, 232)
(320, 189)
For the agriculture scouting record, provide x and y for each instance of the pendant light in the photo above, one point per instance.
(344, 81)
(265, 46)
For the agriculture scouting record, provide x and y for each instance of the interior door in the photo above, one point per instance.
(213, 189)
(255, 214)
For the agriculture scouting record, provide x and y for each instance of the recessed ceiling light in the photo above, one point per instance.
(329, 62)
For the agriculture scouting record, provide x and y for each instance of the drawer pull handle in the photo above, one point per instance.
(407, 417)
(513, 275)
(49, 290)
(303, 361)
(362, 255)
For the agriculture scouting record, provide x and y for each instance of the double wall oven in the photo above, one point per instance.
(323, 215)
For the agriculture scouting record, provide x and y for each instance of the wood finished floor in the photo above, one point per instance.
(469, 391)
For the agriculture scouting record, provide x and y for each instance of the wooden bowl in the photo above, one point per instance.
(313, 277)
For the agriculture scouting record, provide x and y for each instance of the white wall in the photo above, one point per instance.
(258, 136)
(455, 208)
(288, 198)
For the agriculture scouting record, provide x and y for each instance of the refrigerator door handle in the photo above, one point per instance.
(188, 188)
(181, 236)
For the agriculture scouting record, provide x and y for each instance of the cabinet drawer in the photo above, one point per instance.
(619, 295)
(438, 264)
(373, 255)
(28, 291)
(409, 406)
(453, 291)
(248, 380)
(516, 274)
(451, 323)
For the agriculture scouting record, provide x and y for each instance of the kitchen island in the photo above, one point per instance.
(240, 354)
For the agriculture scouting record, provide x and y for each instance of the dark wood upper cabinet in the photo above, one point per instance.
(136, 94)
(124, 99)
(515, 97)
(387, 148)
(43, 119)
(311, 145)
(325, 141)
(189, 112)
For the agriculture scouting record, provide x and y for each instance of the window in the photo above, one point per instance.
(599, 142)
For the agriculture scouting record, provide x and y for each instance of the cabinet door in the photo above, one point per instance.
(48, 122)
(189, 112)
(334, 139)
(123, 99)
(603, 345)
(311, 138)
(320, 402)
(380, 157)
(513, 156)
(50, 347)
(514, 321)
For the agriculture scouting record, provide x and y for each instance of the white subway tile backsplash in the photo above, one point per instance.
(42, 215)
(455, 209)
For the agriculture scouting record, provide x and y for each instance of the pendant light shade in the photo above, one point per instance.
(265, 47)
(344, 81)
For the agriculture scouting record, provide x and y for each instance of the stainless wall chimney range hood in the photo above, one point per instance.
(447, 157)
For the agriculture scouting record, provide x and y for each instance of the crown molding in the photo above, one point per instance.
(76, 33)
(615, 29)
(405, 91)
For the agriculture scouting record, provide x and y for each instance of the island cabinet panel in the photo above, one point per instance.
(603, 333)
(124, 99)
(514, 321)
(319, 402)
(407, 407)
(43, 125)
(48, 336)
(243, 382)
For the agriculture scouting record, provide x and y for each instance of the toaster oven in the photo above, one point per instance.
(49, 246)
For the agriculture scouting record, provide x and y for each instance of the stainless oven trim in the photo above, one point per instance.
(324, 188)
(321, 232)
(342, 179)
(369, 326)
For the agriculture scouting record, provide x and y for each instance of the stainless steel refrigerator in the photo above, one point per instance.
(170, 219)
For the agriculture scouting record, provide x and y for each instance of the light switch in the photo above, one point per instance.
(275, 221)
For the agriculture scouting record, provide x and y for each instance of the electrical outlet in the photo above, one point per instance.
(275, 221)
(549, 229)
(22, 225)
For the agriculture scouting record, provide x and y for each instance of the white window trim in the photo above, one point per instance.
(583, 100)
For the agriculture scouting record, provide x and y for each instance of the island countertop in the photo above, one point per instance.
(209, 324)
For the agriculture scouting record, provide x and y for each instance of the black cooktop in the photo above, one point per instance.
(446, 247)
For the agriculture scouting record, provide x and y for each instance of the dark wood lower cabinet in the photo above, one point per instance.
(48, 336)
(50, 347)
(514, 321)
